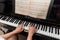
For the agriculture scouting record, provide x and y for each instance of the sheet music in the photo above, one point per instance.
(33, 8)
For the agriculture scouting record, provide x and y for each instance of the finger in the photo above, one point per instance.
(20, 25)
(36, 30)
(21, 29)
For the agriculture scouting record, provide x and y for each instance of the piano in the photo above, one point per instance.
(49, 25)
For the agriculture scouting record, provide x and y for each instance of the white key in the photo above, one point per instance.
(36, 25)
(24, 22)
(48, 34)
(40, 27)
(29, 24)
(19, 21)
(53, 30)
(10, 19)
(2, 17)
(50, 29)
(26, 28)
(6, 18)
(47, 28)
(14, 21)
(8, 23)
(59, 31)
(39, 31)
(43, 27)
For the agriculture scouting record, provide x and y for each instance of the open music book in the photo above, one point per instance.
(33, 8)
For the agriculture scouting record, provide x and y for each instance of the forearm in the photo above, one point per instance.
(8, 35)
(29, 37)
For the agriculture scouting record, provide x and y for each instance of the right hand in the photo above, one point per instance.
(31, 30)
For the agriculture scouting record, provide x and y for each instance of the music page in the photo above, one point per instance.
(33, 8)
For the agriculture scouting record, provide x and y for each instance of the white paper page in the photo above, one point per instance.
(33, 8)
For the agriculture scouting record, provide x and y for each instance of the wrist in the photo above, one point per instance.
(30, 35)
(15, 32)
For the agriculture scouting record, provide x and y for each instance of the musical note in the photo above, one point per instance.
(33, 8)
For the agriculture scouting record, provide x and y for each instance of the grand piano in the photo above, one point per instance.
(48, 25)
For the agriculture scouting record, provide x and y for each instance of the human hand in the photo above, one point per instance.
(19, 28)
(31, 30)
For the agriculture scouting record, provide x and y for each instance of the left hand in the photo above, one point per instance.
(19, 28)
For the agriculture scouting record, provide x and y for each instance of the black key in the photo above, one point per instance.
(42, 27)
(16, 21)
(38, 26)
(8, 19)
(45, 28)
(52, 30)
(55, 30)
(49, 29)
(33, 25)
(4, 18)
(21, 22)
(12, 20)
(1, 17)
(26, 24)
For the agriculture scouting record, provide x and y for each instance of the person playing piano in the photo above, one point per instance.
(12, 35)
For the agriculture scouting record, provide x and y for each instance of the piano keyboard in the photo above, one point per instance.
(42, 29)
